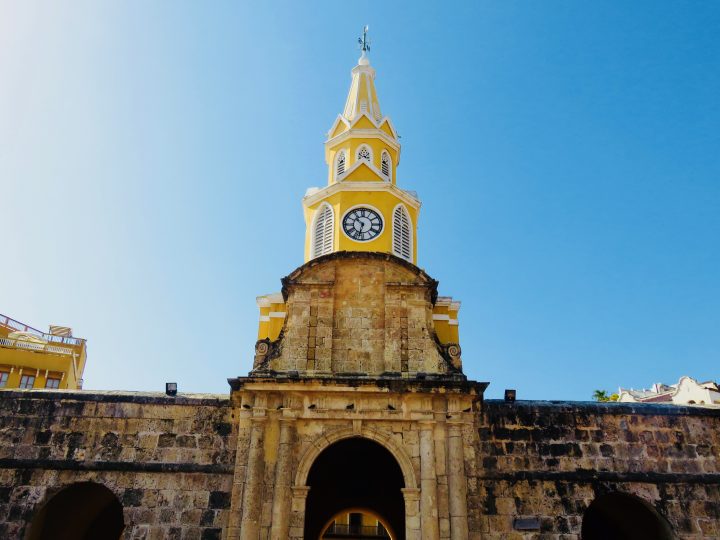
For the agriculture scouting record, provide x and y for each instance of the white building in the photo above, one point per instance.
(687, 391)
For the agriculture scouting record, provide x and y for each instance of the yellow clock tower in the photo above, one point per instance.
(361, 208)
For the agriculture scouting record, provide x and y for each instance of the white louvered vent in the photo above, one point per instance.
(323, 231)
(385, 165)
(340, 163)
(402, 241)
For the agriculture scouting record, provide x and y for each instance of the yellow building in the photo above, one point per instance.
(30, 358)
(361, 208)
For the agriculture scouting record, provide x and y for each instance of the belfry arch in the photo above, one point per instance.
(80, 511)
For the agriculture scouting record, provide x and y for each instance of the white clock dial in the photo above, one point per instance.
(362, 224)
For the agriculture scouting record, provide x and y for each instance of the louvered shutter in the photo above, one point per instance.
(323, 232)
(402, 243)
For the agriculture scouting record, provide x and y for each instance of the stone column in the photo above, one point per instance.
(297, 525)
(457, 482)
(412, 513)
(252, 497)
(428, 482)
(283, 481)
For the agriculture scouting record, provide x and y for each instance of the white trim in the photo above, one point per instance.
(266, 300)
(370, 207)
(440, 317)
(264, 318)
(364, 134)
(359, 163)
(455, 305)
(277, 314)
(453, 322)
(327, 191)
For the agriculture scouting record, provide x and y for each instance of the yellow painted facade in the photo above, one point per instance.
(30, 358)
(362, 154)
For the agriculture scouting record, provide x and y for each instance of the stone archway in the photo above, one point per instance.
(388, 471)
(354, 473)
(81, 511)
(621, 516)
(385, 440)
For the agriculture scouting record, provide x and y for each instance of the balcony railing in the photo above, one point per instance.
(33, 346)
(7, 322)
(341, 530)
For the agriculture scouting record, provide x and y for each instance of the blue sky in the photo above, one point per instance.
(153, 156)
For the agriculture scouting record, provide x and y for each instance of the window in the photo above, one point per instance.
(385, 164)
(322, 241)
(3, 378)
(364, 153)
(402, 240)
(340, 163)
(27, 381)
(52, 383)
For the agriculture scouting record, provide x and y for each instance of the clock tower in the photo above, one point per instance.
(361, 208)
(356, 413)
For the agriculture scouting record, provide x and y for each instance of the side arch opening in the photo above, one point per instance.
(81, 511)
(355, 473)
(623, 517)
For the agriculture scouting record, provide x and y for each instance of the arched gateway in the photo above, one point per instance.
(81, 511)
(355, 473)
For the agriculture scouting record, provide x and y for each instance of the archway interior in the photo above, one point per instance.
(82, 511)
(355, 473)
(357, 523)
(619, 516)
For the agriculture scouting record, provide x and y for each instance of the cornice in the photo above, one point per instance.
(332, 189)
(374, 133)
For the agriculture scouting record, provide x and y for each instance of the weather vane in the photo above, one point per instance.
(364, 41)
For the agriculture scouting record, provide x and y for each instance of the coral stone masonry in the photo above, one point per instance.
(210, 467)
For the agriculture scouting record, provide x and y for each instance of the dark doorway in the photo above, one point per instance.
(355, 473)
(617, 516)
(83, 511)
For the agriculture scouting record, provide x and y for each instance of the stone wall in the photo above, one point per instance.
(168, 460)
(357, 313)
(548, 461)
(209, 467)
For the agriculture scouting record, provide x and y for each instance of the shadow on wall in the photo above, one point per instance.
(619, 516)
(82, 511)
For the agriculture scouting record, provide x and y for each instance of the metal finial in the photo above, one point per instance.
(364, 41)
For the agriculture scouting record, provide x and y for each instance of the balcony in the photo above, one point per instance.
(17, 326)
(356, 532)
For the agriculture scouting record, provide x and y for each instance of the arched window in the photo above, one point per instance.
(322, 240)
(364, 153)
(340, 163)
(385, 165)
(402, 233)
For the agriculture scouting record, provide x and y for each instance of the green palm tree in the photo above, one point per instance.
(600, 395)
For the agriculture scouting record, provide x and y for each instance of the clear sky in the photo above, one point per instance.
(153, 156)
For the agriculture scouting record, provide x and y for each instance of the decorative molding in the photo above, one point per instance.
(328, 191)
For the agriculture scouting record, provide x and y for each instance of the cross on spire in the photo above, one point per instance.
(364, 41)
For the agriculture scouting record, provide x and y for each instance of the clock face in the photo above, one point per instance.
(362, 224)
